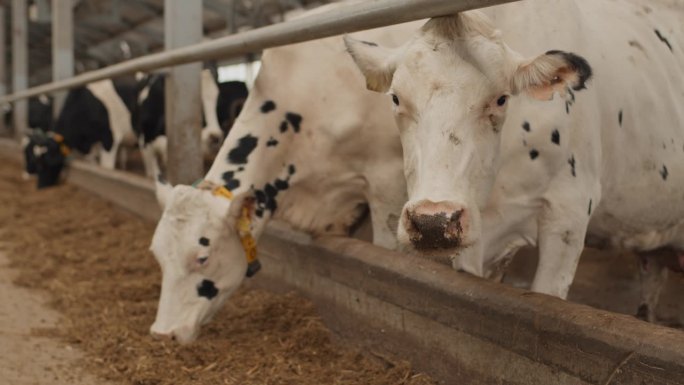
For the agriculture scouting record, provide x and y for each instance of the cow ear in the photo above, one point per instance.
(554, 71)
(375, 62)
(162, 187)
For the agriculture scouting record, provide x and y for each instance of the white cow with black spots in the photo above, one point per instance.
(309, 148)
(488, 174)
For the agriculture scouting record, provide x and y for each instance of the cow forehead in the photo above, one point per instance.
(459, 64)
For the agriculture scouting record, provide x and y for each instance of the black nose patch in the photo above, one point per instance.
(207, 289)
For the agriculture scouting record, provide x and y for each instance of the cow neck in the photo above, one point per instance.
(248, 165)
(243, 224)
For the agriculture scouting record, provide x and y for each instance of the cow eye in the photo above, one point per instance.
(395, 100)
(202, 260)
(502, 100)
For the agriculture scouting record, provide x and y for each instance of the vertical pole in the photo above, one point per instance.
(3, 66)
(183, 26)
(62, 47)
(20, 64)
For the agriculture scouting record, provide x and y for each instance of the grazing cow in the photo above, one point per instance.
(576, 154)
(39, 113)
(300, 151)
(220, 106)
(95, 116)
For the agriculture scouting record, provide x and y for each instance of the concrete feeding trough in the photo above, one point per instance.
(458, 328)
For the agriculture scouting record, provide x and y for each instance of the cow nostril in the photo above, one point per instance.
(435, 231)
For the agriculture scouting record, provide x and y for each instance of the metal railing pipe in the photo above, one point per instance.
(344, 19)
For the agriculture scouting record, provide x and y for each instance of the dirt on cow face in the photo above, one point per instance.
(94, 262)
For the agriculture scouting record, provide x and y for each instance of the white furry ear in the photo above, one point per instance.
(552, 72)
(163, 191)
(375, 62)
(162, 187)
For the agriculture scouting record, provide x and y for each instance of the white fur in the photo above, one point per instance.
(119, 120)
(446, 77)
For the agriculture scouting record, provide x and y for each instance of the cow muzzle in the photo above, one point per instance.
(435, 225)
(182, 335)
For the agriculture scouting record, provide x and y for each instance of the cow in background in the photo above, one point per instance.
(221, 104)
(39, 114)
(95, 121)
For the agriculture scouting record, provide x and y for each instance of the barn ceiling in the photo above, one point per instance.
(110, 31)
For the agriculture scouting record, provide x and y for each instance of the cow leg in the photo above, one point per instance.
(561, 233)
(108, 158)
(653, 275)
(148, 158)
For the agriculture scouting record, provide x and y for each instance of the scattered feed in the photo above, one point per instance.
(93, 261)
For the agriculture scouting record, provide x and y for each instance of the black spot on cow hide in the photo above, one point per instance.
(663, 39)
(272, 142)
(281, 184)
(369, 43)
(246, 145)
(526, 126)
(555, 137)
(620, 118)
(204, 241)
(534, 154)
(283, 126)
(268, 106)
(571, 162)
(664, 173)
(295, 120)
(207, 289)
(230, 182)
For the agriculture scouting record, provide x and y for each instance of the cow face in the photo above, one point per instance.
(450, 87)
(44, 156)
(201, 258)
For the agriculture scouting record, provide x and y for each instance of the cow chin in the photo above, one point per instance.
(443, 231)
(183, 325)
(183, 329)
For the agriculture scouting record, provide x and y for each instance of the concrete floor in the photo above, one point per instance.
(26, 358)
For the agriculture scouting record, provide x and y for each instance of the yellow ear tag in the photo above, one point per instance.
(246, 238)
(63, 148)
(223, 192)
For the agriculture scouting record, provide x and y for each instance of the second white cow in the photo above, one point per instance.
(577, 153)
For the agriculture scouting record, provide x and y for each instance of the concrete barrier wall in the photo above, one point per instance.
(458, 328)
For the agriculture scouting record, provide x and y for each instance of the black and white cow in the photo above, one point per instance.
(95, 120)
(309, 148)
(508, 143)
(221, 104)
(39, 114)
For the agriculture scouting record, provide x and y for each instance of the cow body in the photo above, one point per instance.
(577, 154)
(308, 148)
(221, 103)
(95, 121)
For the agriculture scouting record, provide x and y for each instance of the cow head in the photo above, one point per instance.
(201, 255)
(44, 156)
(450, 87)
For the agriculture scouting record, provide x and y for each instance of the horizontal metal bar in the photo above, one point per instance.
(344, 19)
